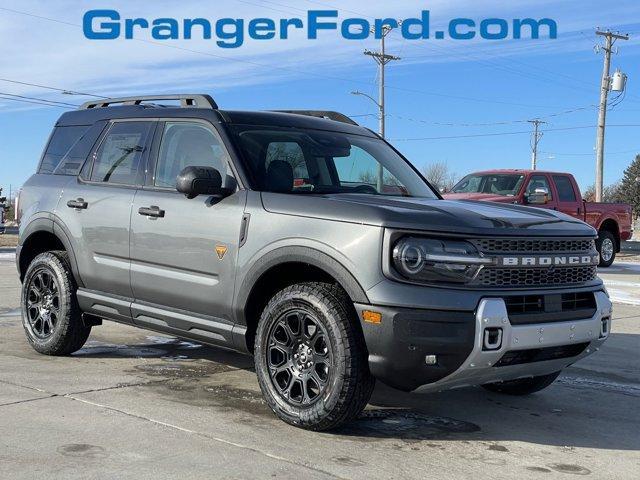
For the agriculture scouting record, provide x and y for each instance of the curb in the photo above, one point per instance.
(7, 249)
(630, 246)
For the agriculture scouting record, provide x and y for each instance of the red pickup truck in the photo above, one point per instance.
(554, 190)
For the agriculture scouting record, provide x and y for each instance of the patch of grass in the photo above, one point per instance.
(8, 240)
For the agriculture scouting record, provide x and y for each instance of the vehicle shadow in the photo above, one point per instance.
(573, 412)
(168, 349)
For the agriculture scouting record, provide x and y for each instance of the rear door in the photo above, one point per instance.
(540, 180)
(183, 251)
(96, 211)
(566, 195)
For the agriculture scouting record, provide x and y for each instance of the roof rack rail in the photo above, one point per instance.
(186, 101)
(335, 116)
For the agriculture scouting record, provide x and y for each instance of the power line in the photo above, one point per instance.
(63, 90)
(37, 103)
(495, 134)
(487, 62)
(487, 124)
(294, 70)
(566, 154)
(39, 99)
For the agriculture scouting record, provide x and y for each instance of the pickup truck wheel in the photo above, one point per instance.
(310, 357)
(50, 312)
(523, 386)
(606, 245)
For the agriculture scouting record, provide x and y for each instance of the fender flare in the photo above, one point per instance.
(308, 255)
(51, 224)
(41, 222)
(606, 218)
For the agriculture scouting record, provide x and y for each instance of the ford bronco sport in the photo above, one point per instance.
(309, 242)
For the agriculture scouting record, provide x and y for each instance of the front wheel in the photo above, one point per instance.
(310, 357)
(523, 386)
(606, 245)
(50, 312)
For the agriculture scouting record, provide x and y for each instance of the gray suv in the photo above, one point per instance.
(305, 240)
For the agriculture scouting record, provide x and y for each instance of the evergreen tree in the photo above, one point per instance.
(630, 186)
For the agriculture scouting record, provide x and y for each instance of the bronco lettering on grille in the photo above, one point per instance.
(556, 260)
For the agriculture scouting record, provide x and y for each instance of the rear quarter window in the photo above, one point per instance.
(75, 158)
(564, 188)
(61, 141)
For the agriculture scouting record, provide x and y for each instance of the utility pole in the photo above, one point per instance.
(381, 58)
(609, 39)
(535, 139)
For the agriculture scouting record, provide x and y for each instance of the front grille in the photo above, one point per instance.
(504, 245)
(534, 277)
(517, 357)
(524, 309)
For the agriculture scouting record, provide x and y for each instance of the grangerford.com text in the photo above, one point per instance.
(232, 32)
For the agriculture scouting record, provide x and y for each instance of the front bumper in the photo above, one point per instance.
(399, 344)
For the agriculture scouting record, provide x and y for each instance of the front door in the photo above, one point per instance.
(566, 196)
(540, 181)
(183, 251)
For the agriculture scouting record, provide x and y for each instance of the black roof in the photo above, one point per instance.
(88, 116)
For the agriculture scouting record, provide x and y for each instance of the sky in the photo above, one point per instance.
(464, 103)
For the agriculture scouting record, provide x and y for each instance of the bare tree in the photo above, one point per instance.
(610, 194)
(440, 176)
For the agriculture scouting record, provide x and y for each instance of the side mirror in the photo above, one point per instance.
(540, 196)
(194, 181)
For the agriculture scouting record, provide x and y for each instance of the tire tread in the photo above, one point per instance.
(74, 333)
(358, 383)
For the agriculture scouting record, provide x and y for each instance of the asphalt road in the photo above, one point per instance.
(133, 404)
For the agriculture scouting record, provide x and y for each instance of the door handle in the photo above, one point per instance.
(152, 211)
(78, 203)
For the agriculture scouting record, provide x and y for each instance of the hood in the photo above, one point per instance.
(485, 197)
(446, 216)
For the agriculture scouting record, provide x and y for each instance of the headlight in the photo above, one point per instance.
(431, 260)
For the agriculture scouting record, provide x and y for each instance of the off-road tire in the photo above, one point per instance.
(69, 333)
(350, 383)
(523, 386)
(606, 237)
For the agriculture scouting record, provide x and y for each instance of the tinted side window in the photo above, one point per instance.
(61, 141)
(186, 144)
(118, 157)
(564, 188)
(538, 181)
(74, 159)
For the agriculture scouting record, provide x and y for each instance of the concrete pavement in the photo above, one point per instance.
(134, 404)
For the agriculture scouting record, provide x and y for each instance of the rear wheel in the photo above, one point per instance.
(606, 245)
(50, 312)
(310, 357)
(523, 386)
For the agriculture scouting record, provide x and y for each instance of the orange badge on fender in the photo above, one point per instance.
(221, 250)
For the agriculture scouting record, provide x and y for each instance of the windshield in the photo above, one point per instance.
(493, 184)
(309, 161)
